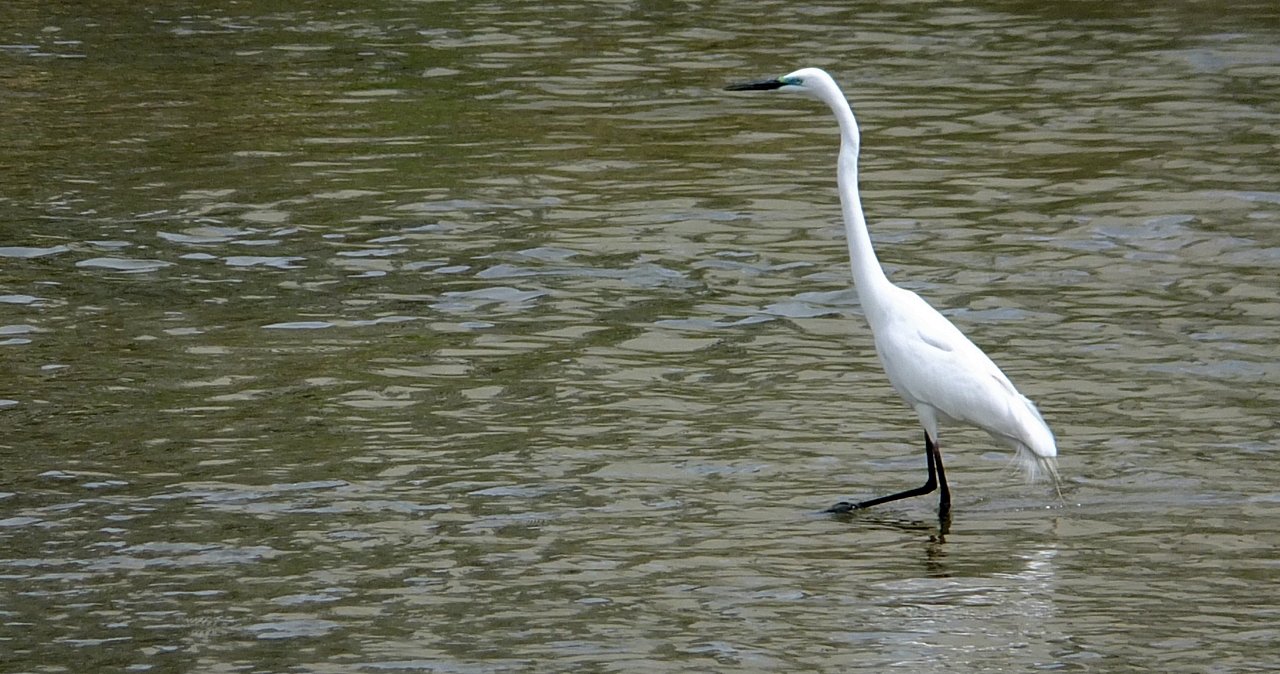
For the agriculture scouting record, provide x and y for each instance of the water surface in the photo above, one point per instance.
(496, 337)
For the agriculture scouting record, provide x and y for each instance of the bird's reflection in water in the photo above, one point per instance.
(933, 533)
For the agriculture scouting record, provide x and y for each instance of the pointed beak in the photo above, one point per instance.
(759, 85)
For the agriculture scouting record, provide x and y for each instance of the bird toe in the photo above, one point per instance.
(842, 508)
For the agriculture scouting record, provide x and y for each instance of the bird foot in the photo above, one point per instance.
(842, 507)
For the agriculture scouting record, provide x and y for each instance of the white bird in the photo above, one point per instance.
(930, 363)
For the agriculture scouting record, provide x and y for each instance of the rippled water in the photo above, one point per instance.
(496, 337)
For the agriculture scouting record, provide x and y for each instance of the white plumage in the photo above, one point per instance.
(930, 363)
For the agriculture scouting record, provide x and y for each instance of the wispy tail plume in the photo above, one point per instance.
(1034, 466)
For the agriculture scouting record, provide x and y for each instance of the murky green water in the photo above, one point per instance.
(438, 336)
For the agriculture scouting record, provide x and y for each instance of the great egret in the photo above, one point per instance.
(930, 363)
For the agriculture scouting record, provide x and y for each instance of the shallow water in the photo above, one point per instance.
(491, 337)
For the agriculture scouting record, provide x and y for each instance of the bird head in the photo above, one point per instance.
(805, 80)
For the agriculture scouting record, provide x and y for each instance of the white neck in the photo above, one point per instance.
(867, 274)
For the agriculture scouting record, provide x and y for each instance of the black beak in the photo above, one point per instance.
(760, 85)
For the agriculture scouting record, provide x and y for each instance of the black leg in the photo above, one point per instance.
(934, 458)
(944, 499)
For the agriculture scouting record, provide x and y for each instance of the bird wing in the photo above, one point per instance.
(929, 361)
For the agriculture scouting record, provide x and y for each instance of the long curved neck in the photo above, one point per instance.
(867, 274)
